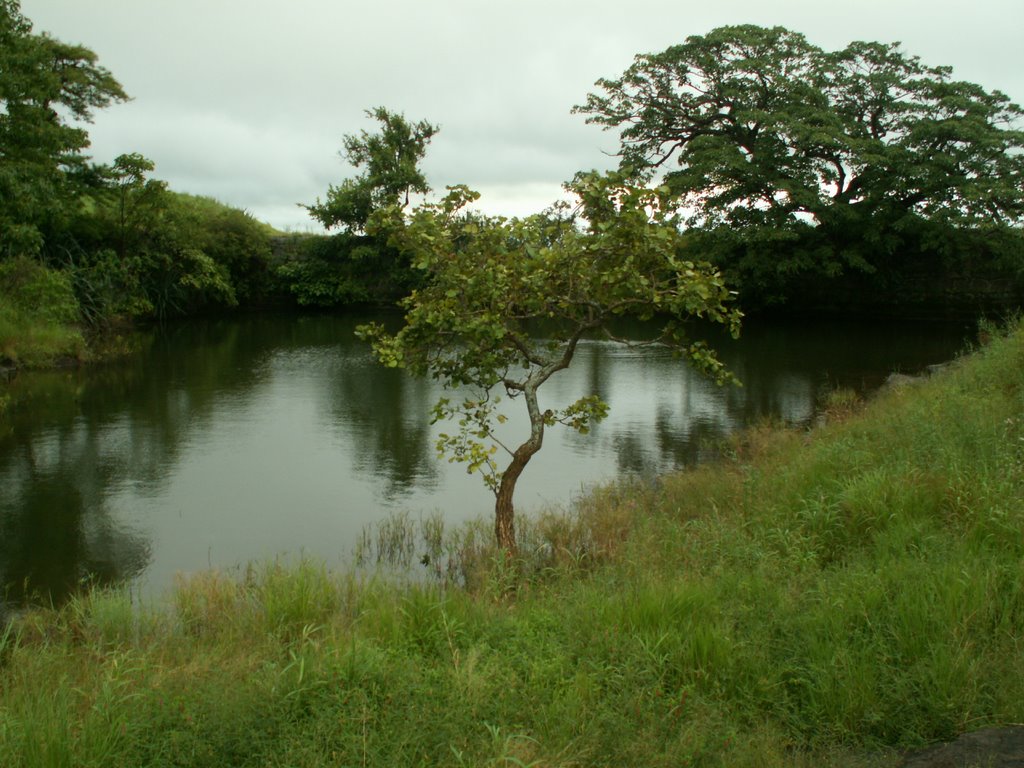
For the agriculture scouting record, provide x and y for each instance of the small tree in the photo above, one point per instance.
(147, 250)
(491, 281)
(136, 203)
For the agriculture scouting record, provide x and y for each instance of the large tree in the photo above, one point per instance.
(505, 304)
(47, 90)
(800, 160)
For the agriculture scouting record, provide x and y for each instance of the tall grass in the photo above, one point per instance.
(817, 598)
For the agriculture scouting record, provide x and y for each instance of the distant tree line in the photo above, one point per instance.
(354, 266)
(811, 179)
(858, 180)
(84, 246)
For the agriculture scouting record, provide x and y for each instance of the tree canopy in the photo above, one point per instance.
(505, 303)
(810, 160)
(390, 159)
(144, 250)
(47, 89)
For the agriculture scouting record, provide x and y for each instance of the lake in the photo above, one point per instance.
(227, 441)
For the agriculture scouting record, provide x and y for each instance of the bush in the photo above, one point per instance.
(38, 292)
(38, 314)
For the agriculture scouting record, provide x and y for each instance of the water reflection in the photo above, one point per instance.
(381, 411)
(226, 441)
(56, 534)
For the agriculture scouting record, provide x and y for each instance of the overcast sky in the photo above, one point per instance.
(247, 100)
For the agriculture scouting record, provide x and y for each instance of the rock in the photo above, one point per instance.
(989, 748)
(896, 380)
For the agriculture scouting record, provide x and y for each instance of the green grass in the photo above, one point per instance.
(818, 598)
(30, 342)
(38, 316)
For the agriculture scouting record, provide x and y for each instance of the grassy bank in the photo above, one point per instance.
(824, 598)
(38, 316)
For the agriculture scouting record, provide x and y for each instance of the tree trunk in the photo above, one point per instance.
(504, 509)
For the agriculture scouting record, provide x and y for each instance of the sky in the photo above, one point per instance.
(247, 101)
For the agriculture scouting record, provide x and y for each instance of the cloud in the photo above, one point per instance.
(248, 102)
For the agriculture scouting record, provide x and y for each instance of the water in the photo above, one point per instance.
(229, 441)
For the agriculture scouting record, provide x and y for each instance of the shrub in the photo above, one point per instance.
(38, 313)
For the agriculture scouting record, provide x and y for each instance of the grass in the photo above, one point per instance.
(831, 597)
(31, 342)
(38, 316)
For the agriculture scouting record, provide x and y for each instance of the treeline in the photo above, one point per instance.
(88, 247)
(125, 250)
(850, 181)
(85, 246)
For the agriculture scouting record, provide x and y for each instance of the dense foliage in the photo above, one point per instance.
(846, 180)
(46, 88)
(504, 304)
(795, 163)
(344, 269)
(145, 251)
(38, 315)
